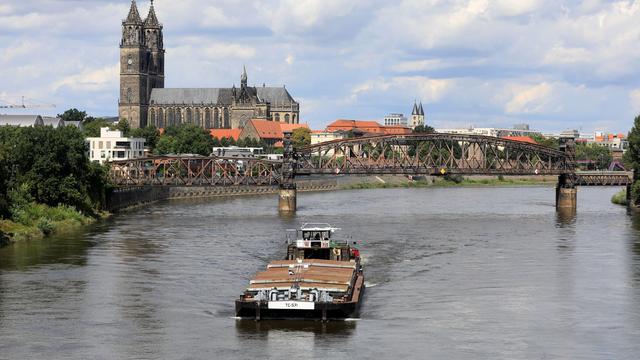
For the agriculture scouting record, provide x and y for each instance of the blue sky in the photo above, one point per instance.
(554, 64)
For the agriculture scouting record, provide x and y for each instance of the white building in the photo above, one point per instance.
(493, 132)
(111, 145)
(325, 136)
(395, 119)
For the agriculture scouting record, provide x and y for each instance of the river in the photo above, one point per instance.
(452, 273)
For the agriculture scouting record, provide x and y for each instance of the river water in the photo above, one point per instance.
(452, 273)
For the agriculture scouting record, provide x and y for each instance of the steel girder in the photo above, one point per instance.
(195, 171)
(433, 154)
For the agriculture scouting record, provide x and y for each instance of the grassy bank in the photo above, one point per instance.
(620, 198)
(36, 221)
(445, 183)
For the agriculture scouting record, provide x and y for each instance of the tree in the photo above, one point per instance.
(301, 137)
(123, 125)
(545, 141)
(185, 139)
(597, 154)
(73, 115)
(92, 126)
(423, 129)
(631, 158)
(150, 134)
(48, 166)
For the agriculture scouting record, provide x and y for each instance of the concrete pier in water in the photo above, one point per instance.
(288, 199)
(566, 198)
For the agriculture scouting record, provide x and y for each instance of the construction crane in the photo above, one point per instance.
(23, 105)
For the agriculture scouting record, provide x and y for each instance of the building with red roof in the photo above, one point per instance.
(367, 126)
(524, 139)
(270, 132)
(226, 133)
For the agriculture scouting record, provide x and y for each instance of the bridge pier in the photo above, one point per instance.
(566, 198)
(288, 198)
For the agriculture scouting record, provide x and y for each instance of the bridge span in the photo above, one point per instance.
(420, 154)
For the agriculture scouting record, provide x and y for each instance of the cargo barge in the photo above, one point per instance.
(320, 279)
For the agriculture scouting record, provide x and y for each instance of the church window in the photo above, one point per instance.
(179, 116)
(172, 117)
(129, 95)
(160, 118)
(225, 119)
(295, 118)
(198, 118)
(189, 119)
(207, 118)
(277, 117)
(286, 118)
(216, 118)
(152, 117)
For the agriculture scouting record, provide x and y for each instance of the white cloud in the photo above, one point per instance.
(90, 80)
(290, 59)
(634, 98)
(425, 89)
(226, 50)
(529, 99)
(559, 55)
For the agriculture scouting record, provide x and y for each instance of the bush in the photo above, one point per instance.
(46, 226)
(454, 178)
(620, 198)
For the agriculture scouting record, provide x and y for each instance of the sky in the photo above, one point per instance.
(553, 64)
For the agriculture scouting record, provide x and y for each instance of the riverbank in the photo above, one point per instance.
(37, 221)
(386, 182)
(620, 198)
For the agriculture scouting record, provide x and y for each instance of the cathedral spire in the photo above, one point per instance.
(244, 77)
(152, 19)
(420, 109)
(415, 109)
(134, 15)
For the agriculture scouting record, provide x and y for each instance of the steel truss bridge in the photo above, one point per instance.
(422, 154)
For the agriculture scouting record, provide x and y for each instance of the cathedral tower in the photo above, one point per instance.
(417, 115)
(141, 65)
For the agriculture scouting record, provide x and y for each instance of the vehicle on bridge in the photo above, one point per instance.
(321, 278)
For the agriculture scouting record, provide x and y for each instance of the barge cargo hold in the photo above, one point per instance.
(320, 279)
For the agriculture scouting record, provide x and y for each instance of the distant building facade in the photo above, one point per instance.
(367, 127)
(144, 100)
(112, 145)
(395, 119)
(493, 132)
(30, 120)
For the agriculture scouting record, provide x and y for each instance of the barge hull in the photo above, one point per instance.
(323, 311)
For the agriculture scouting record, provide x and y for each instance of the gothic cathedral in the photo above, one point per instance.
(144, 100)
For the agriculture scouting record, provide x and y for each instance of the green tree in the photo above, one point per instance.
(599, 155)
(49, 166)
(423, 129)
(185, 139)
(632, 156)
(123, 125)
(92, 126)
(545, 141)
(301, 137)
(73, 115)
(150, 134)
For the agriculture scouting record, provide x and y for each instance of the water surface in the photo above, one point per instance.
(460, 273)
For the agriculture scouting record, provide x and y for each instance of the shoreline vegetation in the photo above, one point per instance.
(37, 221)
(620, 198)
(47, 183)
(447, 182)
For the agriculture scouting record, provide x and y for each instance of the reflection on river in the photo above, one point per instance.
(452, 274)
